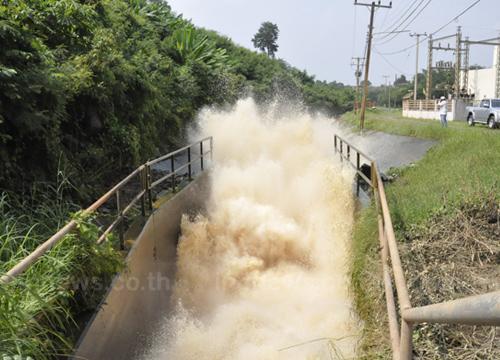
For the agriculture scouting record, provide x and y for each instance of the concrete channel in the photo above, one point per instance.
(140, 297)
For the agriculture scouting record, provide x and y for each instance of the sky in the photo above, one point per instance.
(321, 36)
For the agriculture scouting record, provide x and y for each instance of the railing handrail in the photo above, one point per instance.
(472, 310)
(178, 151)
(145, 172)
(338, 141)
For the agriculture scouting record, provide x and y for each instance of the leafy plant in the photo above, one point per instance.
(194, 46)
(38, 309)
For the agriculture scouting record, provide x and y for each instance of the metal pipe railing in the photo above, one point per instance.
(392, 314)
(144, 171)
(339, 147)
(474, 310)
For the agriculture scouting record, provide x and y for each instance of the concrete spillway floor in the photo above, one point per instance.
(390, 150)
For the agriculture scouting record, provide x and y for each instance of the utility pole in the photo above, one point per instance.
(389, 90)
(458, 66)
(358, 74)
(466, 65)
(497, 71)
(386, 87)
(372, 6)
(465, 59)
(428, 85)
(416, 64)
(430, 67)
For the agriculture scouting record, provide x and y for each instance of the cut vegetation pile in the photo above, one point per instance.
(450, 258)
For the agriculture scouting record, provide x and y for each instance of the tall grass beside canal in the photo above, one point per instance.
(40, 311)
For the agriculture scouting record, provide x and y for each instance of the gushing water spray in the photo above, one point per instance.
(264, 274)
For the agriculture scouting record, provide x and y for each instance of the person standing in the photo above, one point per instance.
(443, 111)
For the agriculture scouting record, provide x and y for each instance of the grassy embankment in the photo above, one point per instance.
(458, 178)
(41, 310)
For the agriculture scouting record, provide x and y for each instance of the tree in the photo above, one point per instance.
(266, 37)
(401, 80)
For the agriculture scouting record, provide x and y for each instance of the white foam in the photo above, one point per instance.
(267, 268)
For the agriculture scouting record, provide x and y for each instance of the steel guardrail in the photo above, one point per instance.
(144, 195)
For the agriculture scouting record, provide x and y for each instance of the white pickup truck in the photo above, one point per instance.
(488, 112)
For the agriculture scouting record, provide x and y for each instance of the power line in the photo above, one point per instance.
(456, 17)
(397, 24)
(399, 13)
(402, 50)
(354, 31)
(392, 32)
(436, 31)
(397, 27)
(389, 63)
(400, 17)
(396, 34)
(384, 21)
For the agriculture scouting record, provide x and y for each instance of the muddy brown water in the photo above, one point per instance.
(262, 271)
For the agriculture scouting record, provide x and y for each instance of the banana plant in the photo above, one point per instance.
(190, 45)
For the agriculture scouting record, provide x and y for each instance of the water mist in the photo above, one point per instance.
(264, 274)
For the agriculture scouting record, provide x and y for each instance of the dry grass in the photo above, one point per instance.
(449, 258)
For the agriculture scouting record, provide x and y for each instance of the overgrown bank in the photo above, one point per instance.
(445, 210)
(98, 86)
(88, 90)
(41, 311)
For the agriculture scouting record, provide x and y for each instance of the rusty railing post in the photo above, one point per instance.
(190, 175)
(144, 189)
(374, 179)
(201, 154)
(406, 342)
(389, 293)
(341, 150)
(121, 224)
(211, 148)
(148, 187)
(358, 167)
(172, 171)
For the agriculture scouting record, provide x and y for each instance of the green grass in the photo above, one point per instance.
(367, 288)
(463, 167)
(39, 309)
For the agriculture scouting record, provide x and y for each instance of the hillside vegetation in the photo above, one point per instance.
(95, 87)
